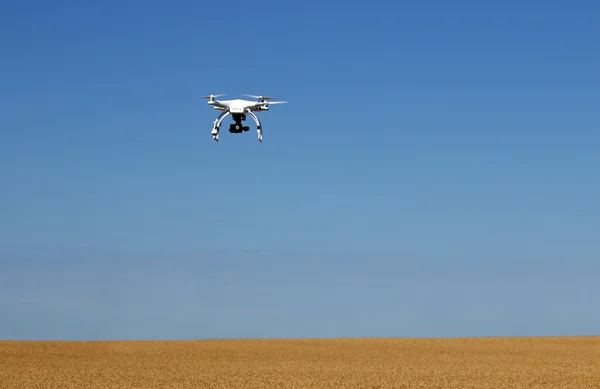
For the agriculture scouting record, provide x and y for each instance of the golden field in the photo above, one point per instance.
(559, 362)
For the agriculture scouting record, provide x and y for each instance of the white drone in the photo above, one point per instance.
(238, 109)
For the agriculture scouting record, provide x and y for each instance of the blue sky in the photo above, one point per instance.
(435, 172)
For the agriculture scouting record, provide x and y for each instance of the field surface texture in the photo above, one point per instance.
(324, 363)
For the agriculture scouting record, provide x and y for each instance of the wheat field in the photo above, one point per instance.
(551, 362)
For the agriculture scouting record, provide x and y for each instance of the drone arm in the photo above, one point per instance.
(217, 104)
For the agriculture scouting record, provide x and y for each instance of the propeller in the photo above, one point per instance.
(261, 98)
(211, 97)
(266, 100)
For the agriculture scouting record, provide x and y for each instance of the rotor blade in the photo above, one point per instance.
(212, 96)
(277, 102)
(260, 97)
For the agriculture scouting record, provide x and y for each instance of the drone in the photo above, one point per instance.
(238, 109)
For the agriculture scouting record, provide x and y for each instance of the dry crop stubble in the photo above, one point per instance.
(558, 362)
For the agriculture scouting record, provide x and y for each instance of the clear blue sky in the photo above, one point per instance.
(435, 173)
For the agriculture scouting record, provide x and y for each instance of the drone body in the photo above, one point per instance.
(238, 109)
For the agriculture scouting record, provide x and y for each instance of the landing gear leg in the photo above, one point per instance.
(217, 124)
(258, 126)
